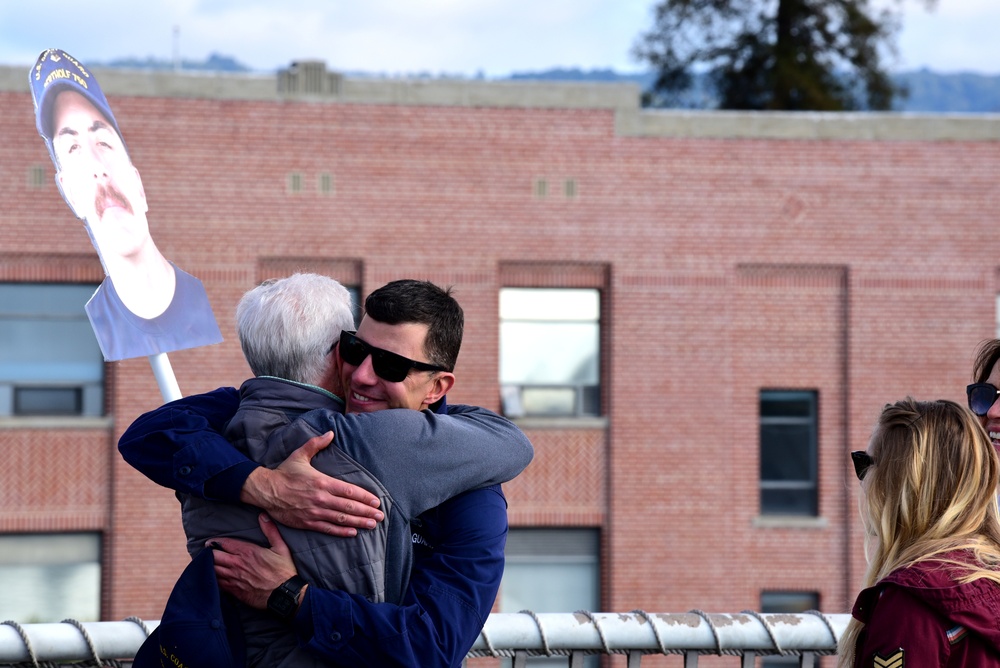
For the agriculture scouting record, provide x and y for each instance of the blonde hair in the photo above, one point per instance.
(932, 489)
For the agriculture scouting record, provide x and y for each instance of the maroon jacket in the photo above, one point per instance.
(920, 617)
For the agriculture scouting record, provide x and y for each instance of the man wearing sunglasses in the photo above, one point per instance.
(401, 357)
(982, 394)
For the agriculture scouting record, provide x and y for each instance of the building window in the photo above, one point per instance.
(37, 177)
(549, 351)
(50, 363)
(788, 449)
(997, 317)
(569, 188)
(541, 188)
(326, 183)
(50, 577)
(788, 602)
(356, 303)
(552, 570)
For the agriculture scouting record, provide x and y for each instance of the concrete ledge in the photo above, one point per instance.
(446, 92)
(103, 423)
(843, 126)
(622, 98)
(789, 522)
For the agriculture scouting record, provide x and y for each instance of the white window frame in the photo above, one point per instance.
(569, 307)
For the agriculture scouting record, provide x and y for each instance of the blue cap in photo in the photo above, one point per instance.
(56, 71)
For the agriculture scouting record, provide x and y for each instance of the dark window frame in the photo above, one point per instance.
(783, 601)
(789, 496)
(61, 391)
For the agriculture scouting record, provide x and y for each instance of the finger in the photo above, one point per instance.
(344, 494)
(223, 562)
(314, 445)
(272, 534)
(339, 524)
(224, 545)
(331, 529)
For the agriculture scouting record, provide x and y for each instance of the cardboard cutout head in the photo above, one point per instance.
(146, 305)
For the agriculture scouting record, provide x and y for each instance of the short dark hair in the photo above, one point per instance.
(987, 356)
(422, 302)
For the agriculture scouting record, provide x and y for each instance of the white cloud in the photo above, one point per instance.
(496, 37)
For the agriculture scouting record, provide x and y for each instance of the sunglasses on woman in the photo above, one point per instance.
(387, 365)
(982, 396)
(862, 462)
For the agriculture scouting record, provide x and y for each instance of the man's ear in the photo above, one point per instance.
(334, 371)
(440, 384)
(338, 363)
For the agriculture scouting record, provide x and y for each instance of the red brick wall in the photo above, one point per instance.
(863, 269)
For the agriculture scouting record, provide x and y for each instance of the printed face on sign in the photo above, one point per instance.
(97, 177)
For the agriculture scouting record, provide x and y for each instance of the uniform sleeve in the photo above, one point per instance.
(180, 446)
(903, 626)
(451, 593)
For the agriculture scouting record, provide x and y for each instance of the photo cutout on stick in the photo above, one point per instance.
(146, 305)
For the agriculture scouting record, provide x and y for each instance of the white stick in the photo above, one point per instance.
(165, 377)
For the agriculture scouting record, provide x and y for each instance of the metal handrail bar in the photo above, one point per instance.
(746, 634)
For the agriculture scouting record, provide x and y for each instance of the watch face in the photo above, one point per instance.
(281, 603)
(284, 600)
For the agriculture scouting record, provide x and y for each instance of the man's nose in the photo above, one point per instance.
(994, 412)
(96, 165)
(364, 373)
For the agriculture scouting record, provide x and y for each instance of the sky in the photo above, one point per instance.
(491, 38)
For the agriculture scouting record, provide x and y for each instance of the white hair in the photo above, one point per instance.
(287, 326)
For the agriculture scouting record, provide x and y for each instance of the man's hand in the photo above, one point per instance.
(250, 572)
(299, 496)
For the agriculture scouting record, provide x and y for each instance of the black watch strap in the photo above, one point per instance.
(284, 600)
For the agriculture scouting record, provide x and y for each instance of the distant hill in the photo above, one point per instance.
(962, 92)
(214, 63)
(928, 91)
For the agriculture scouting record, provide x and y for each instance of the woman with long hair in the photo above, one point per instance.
(983, 392)
(929, 507)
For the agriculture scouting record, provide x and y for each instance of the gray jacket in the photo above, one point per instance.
(412, 460)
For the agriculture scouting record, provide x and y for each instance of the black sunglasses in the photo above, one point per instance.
(982, 396)
(862, 462)
(387, 365)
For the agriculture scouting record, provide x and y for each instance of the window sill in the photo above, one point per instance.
(789, 522)
(561, 422)
(45, 422)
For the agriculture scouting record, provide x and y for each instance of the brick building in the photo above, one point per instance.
(746, 289)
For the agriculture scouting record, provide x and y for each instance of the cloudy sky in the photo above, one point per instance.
(460, 37)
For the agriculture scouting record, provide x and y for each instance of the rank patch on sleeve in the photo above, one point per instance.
(894, 660)
(956, 634)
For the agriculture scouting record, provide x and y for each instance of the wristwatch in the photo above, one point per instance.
(284, 600)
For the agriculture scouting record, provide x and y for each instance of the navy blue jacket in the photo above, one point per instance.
(457, 561)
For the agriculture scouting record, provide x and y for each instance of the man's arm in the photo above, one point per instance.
(451, 592)
(424, 458)
(179, 446)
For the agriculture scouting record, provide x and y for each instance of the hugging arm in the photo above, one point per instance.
(180, 446)
(424, 458)
(451, 592)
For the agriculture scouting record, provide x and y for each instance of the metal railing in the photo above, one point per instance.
(518, 636)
